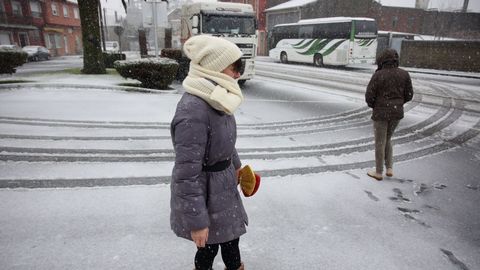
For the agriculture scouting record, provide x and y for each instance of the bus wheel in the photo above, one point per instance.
(318, 60)
(283, 58)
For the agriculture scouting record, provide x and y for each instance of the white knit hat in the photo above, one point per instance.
(212, 53)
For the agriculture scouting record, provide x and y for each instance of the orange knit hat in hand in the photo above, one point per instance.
(249, 181)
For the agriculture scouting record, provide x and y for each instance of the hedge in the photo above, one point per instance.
(10, 59)
(155, 73)
(110, 58)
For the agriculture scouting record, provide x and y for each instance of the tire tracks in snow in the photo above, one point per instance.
(447, 112)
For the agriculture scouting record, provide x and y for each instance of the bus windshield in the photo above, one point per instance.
(365, 29)
(221, 24)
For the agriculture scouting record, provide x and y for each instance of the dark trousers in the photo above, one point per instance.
(230, 255)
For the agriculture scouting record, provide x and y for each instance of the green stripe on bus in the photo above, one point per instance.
(304, 45)
(363, 42)
(317, 46)
(331, 49)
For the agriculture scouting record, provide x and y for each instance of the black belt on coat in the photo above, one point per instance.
(217, 167)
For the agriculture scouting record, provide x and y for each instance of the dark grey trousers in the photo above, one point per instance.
(383, 131)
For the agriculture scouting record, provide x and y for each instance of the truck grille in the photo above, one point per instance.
(247, 49)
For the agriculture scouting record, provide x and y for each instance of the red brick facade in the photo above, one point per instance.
(63, 33)
(54, 24)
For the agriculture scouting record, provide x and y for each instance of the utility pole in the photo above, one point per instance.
(105, 23)
(155, 26)
(102, 29)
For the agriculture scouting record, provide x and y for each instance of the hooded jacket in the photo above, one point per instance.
(389, 88)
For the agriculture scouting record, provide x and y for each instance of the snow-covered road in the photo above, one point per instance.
(103, 158)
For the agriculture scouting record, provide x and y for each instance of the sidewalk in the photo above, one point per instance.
(472, 75)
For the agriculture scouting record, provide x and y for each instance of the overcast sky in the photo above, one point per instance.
(474, 5)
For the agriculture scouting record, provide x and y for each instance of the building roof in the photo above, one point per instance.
(291, 4)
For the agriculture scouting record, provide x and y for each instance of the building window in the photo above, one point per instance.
(411, 22)
(5, 38)
(47, 41)
(76, 14)
(65, 11)
(36, 9)
(35, 34)
(58, 41)
(23, 39)
(78, 45)
(17, 8)
(66, 44)
(394, 21)
(54, 9)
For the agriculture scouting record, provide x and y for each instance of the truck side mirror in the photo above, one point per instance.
(195, 24)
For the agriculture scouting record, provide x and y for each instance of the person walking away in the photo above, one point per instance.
(206, 206)
(389, 88)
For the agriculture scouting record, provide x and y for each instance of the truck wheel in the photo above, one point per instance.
(284, 58)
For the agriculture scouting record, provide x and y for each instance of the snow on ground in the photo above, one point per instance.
(425, 217)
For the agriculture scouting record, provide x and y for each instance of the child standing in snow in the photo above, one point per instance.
(206, 206)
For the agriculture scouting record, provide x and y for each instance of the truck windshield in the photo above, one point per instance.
(227, 24)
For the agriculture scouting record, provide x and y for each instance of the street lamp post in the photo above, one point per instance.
(154, 12)
(155, 22)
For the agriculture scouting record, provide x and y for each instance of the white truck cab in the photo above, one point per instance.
(232, 21)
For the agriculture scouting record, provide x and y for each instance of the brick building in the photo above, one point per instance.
(54, 24)
(62, 30)
(463, 25)
(21, 22)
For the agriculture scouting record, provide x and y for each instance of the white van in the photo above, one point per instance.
(112, 46)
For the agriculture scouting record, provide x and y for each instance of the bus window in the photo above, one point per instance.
(338, 30)
(306, 31)
(365, 29)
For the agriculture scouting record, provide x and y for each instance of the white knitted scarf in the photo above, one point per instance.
(226, 96)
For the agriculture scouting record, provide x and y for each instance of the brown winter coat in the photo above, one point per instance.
(389, 88)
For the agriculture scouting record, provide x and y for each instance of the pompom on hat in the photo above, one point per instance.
(212, 53)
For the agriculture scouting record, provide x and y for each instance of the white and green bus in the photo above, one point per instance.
(335, 41)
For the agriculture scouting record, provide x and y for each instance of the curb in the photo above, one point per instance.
(83, 86)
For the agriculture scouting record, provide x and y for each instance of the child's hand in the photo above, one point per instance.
(200, 237)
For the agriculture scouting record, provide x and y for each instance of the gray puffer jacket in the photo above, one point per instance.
(203, 136)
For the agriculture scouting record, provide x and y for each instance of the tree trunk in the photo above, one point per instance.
(92, 51)
(142, 41)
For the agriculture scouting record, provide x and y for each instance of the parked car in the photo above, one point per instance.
(112, 46)
(36, 53)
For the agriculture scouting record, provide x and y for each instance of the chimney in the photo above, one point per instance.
(422, 4)
(465, 6)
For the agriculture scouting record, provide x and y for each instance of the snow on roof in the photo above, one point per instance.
(334, 19)
(291, 4)
(327, 20)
